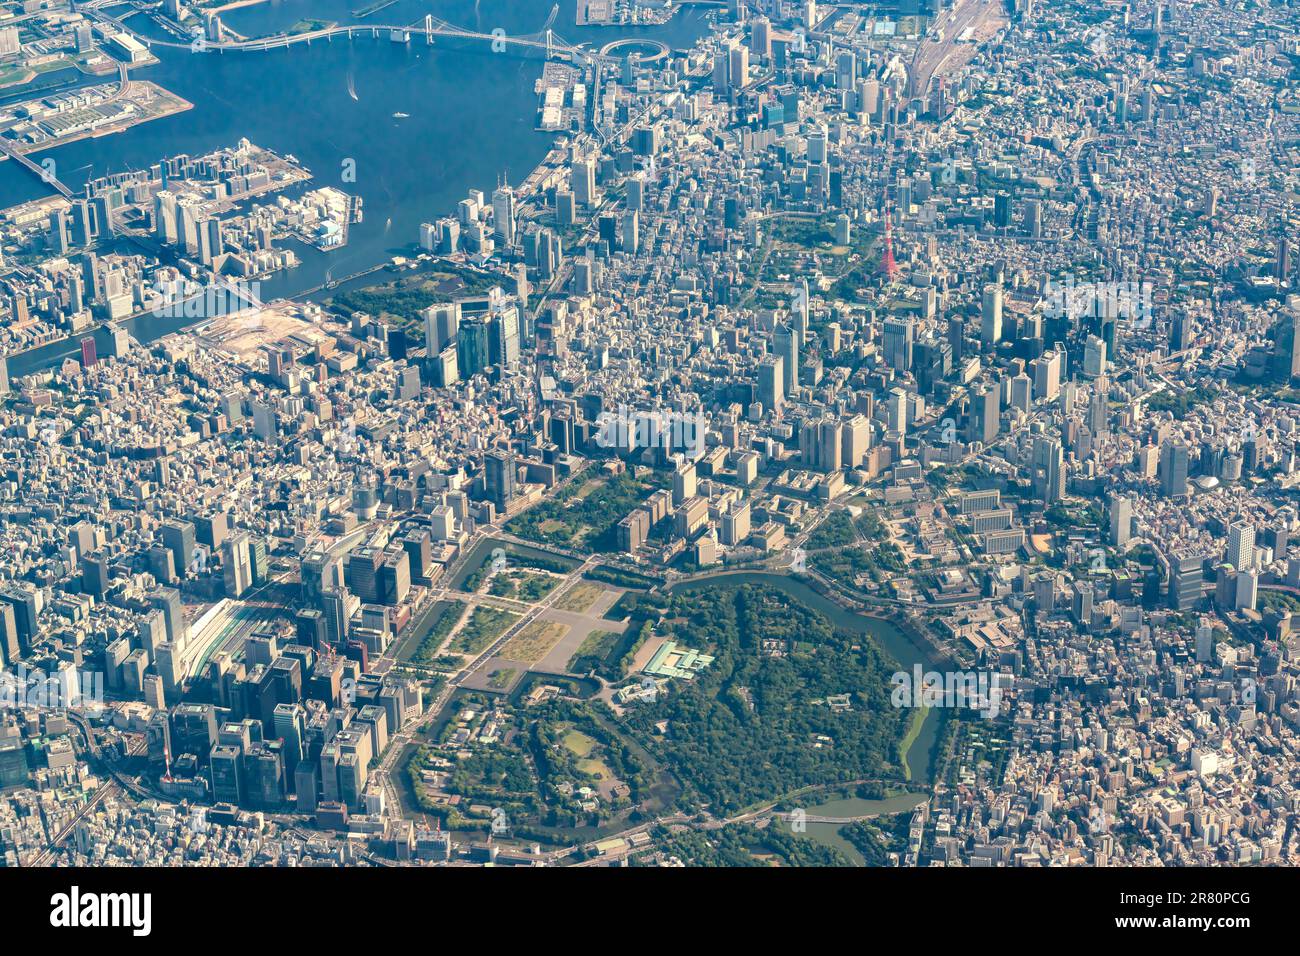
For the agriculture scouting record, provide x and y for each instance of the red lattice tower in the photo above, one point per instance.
(887, 264)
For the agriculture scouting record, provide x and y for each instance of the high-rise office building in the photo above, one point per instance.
(94, 574)
(897, 343)
(168, 600)
(1174, 463)
(738, 67)
(986, 413)
(1186, 580)
(1047, 375)
(179, 538)
(225, 766)
(503, 214)
(771, 383)
(1048, 470)
(760, 37)
(991, 316)
(583, 178)
(785, 343)
(1121, 520)
(1241, 545)
(499, 478)
(236, 564)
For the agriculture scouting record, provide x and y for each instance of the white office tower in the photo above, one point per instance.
(898, 411)
(1121, 520)
(236, 560)
(503, 214)
(583, 176)
(164, 217)
(1047, 375)
(1022, 392)
(188, 212)
(1241, 546)
(1204, 643)
(1094, 357)
(991, 316)
(441, 326)
(739, 67)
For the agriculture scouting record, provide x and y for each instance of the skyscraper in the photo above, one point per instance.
(760, 37)
(503, 214)
(169, 601)
(986, 410)
(1173, 469)
(785, 343)
(632, 232)
(1121, 520)
(739, 67)
(1241, 545)
(897, 340)
(771, 383)
(583, 176)
(991, 316)
(178, 537)
(236, 564)
(441, 324)
(1186, 580)
(499, 478)
(897, 411)
(1048, 470)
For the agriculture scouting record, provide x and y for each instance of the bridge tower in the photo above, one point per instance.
(428, 28)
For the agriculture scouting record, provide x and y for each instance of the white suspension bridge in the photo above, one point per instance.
(546, 39)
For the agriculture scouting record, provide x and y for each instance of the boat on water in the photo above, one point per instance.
(401, 115)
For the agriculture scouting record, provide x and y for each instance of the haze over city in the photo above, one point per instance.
(629, 433)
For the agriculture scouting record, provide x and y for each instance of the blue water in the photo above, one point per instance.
(471, 115)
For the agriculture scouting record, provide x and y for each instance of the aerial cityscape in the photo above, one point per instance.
(639, 433)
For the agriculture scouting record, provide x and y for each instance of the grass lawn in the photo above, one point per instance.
(579, 598)
(578, 743)
(596, 648)
(534, 642)
(485, 625)
(913, 731)
(595, 768)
